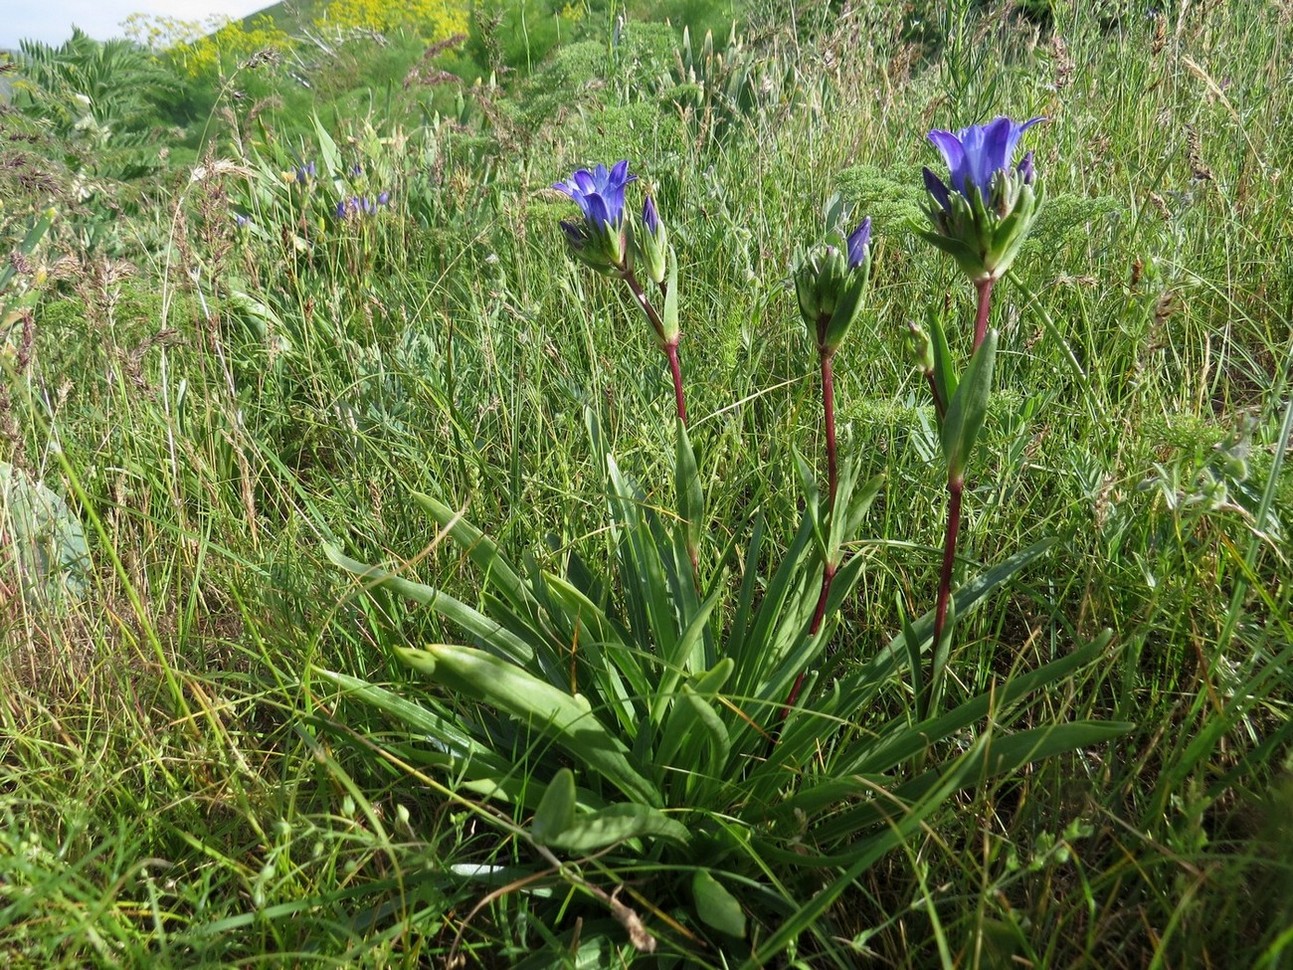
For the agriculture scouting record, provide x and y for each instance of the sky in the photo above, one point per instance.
(51, 21)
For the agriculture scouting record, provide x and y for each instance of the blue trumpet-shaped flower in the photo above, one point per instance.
(600, 239)
(975, 154)
(982, 214)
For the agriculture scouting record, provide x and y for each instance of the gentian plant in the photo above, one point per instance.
(617, 716)
(610, 243)
(981, 217)
(830, 283)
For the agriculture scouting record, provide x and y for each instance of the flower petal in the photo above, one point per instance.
(950, 147)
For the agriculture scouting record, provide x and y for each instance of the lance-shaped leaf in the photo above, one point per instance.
(669, 317)
(564, 718)
(716, 906)
(968, 407)
(556, 812)
(618, 823)
(691, 496)
(491, 632)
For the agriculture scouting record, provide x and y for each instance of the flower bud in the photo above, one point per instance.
(830, 282)
(651, 244)
(919, 349)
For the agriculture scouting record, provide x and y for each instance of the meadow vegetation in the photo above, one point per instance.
(288, 316)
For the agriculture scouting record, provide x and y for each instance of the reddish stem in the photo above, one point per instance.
(670, 349)
(832, 466)
(985, 304)
(940, 407)
(675, 368)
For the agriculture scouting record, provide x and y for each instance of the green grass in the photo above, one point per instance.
(175, 789)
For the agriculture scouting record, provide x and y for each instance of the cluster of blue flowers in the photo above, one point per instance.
(980, 215)
(355, 206)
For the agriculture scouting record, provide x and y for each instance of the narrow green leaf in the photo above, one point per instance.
(480, 549)
(490, 632)
(944, 370)
(914, 662)
(691, 497)
(812, 502)
(716, 906)
(968, 407)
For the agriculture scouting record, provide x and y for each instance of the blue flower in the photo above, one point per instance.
(383, 198)
(982, 214)
(977, 153)
(601, 239)
(305, 172)
(599, 193)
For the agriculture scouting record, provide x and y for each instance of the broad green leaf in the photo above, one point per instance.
(328, 149)
(716, 906)
(566, 719)
(694, 730)
(556, 812)
(618, 823)
(966, 410)
(474, 765)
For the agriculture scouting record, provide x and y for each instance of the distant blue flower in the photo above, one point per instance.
(383, 198)
(859, 239)
(356, 170)
(975, 154)
(599, 193)
(241, 220)
(305, 172)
